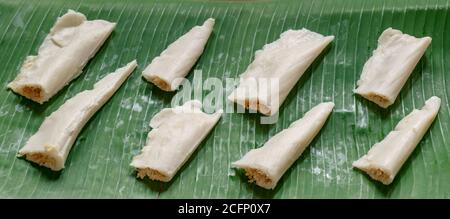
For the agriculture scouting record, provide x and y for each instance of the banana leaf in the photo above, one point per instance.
(98, 164)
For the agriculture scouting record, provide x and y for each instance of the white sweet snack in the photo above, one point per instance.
(284, 60)
(390, 66)
(267, 164)
(72, 41)
(51, 144)
(174, 63)
(385, 158)
(176, 134)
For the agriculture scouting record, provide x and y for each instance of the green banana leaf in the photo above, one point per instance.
(98, 164)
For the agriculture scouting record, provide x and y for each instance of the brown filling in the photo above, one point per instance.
(160, 83)
(381, 100)
(34, 93)
(152, 174)
(380, 175)
(255, 175)
(42, 159)
(259, 107)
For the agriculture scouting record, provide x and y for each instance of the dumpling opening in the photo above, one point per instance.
(42, 159)
(161, 83)
(259, 177)
(153, 174)
(33, 92)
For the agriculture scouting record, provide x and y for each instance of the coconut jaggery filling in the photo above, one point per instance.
(32, 92)
(162, 84)
(257, 176)
(42, 159)
(379, 99)
(257, 106)
(380, 175)
(152, 174)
